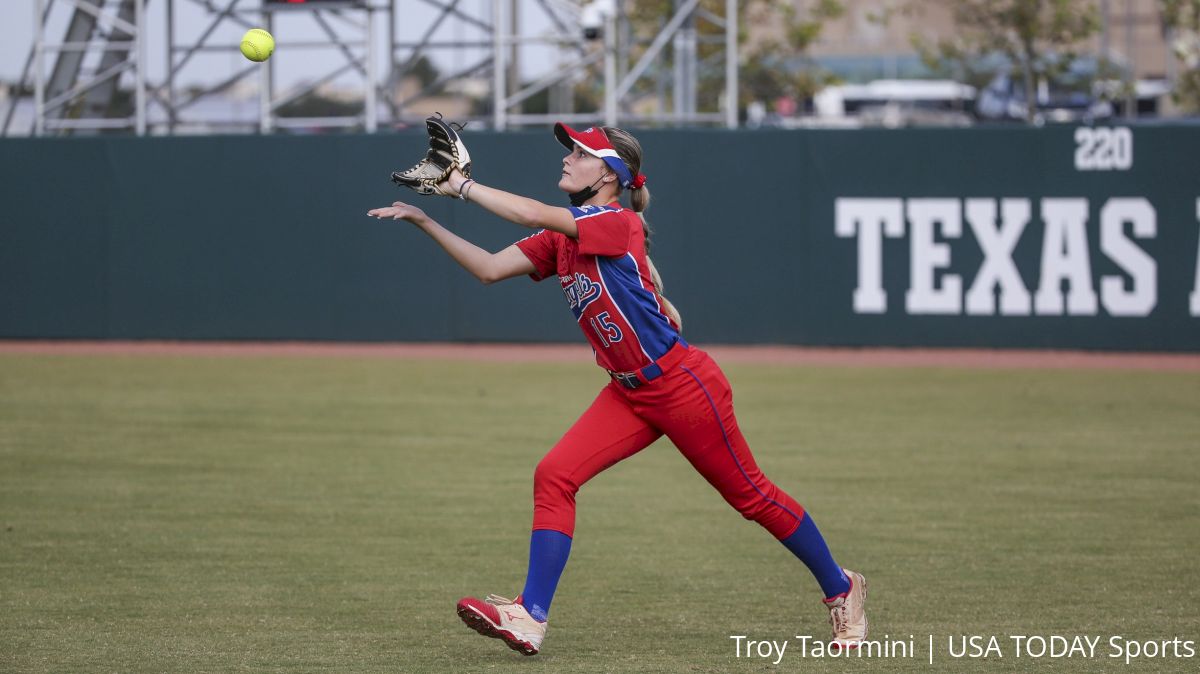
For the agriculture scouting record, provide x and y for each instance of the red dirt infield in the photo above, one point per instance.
(775, 355)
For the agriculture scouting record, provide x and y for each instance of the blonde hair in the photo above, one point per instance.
(630, 151)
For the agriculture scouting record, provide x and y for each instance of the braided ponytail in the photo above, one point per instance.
(630, 151)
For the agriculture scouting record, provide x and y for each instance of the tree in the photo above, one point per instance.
(778, 64)
(314, 104)
(773, 37)
(1182, 19)
(1037, 37)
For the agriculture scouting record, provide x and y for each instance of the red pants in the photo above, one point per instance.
(692, 404)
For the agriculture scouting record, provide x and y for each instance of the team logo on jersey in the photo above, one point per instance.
(580, 291)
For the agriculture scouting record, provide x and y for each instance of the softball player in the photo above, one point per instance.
(660, 385)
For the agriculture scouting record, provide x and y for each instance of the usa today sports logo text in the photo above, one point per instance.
(1114, 648)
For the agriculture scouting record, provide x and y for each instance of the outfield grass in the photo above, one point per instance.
(196, 514)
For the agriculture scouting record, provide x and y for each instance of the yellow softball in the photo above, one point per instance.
(257, 45)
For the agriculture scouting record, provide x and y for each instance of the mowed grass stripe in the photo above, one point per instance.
(200, 514)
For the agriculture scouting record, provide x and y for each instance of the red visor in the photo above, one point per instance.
(595, 142)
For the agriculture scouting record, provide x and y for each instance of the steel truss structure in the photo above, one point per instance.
(96, 78)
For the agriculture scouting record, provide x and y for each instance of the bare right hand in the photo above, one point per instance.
(399, 211)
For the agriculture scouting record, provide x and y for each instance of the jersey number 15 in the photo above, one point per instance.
(606, 330)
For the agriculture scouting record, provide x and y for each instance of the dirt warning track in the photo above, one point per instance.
(776, 355)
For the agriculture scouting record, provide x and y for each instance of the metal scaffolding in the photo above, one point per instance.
(588, 64)
(103, 40)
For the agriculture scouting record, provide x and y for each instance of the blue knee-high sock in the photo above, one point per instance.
(548, 552)
(808, 544)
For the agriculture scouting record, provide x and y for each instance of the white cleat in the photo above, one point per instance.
(505, 619)
(848, 613)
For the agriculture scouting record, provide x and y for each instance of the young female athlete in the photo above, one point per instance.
(660, 385)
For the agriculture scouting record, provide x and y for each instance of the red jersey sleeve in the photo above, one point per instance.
(604, 230)
(542, 251)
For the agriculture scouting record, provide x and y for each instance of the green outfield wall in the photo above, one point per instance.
(1059, 237)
